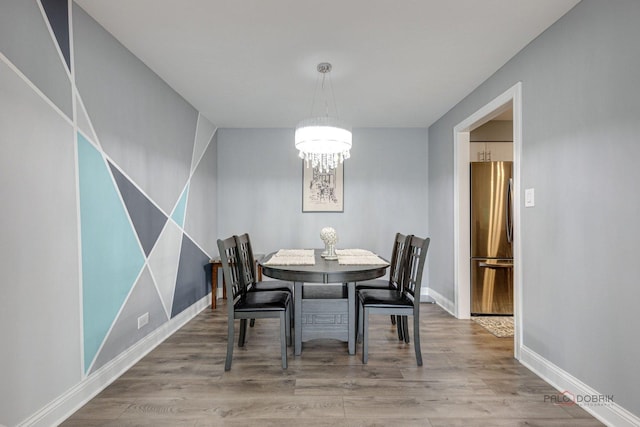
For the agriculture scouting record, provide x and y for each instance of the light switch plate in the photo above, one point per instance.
(529, 198)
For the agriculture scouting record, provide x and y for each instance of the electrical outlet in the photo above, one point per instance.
(143, 320)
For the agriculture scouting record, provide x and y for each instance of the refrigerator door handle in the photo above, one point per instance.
(509, 213)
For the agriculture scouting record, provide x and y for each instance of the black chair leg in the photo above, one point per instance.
(399, 327)
(283, 337)
(359, 317)
(393, 319)
(288, 326)
(405, 329)
(252, 323)
(243, 332)
(230, 332)
(416, 338)
(365, 335)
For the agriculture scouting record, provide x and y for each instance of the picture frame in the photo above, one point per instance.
(322, 191)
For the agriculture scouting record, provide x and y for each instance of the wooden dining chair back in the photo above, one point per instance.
(395, 276)
(243, 304)
(248, 269)
(415, 254)
(248, 273)
(395, 268)
(247, 261)
(401, 302)
(231, 269)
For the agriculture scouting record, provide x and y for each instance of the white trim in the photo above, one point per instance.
(518, 279)
(461, 228)
(69, 402)
(443, 302)
(611, 414)
(461, 233)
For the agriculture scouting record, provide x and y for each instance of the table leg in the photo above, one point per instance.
(297, 321)
(351, 293)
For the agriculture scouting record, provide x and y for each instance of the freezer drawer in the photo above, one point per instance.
(491, 286)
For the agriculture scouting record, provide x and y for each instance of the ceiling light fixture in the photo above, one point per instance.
(323, 142)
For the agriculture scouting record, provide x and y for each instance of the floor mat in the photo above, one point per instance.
(500, 326)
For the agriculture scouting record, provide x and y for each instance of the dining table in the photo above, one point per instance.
(324, 292)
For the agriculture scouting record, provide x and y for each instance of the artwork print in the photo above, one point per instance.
(322, 191)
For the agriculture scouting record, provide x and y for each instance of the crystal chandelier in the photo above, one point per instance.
(323, 142)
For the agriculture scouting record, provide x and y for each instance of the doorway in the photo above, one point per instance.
(512, 98)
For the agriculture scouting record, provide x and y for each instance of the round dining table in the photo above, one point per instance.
(324, 297)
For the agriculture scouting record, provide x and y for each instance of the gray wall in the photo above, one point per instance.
(581, 110)
(260, 189)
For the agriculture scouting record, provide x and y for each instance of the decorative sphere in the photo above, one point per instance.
(329, 236)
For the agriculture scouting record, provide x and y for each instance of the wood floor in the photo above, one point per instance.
(469, 378)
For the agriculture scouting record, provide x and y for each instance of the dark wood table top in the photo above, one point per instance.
(322, 272)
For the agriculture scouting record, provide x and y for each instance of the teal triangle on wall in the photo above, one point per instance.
(181, 207)
(111, 255)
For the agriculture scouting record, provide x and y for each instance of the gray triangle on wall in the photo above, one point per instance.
(147, 219)
(143, 302)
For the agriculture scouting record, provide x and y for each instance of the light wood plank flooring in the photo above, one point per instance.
(469, 378)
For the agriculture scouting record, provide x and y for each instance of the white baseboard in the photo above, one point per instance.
(443, 302)
(73, 399)
(609, 413)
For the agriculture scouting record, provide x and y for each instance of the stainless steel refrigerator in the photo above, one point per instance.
(491, 238)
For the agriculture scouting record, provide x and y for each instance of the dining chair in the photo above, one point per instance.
(395, 271)
(404, 301)
(249, 276)
(244, 305)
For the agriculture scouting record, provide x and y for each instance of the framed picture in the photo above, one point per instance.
(322, 191)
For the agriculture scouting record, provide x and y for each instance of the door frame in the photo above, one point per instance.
(462, 216)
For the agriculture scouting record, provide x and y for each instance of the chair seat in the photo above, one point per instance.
(264, 301)
(373, 284)
(384, 298)
(272, 285)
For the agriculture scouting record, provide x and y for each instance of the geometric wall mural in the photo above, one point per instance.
(143, 301)
(202, 198)
(144, 126)
(84, 124)
(147, 219)
(26, 41)
(181, 207)
(58, 16)
(111, 255)
(163, 263)
(96, 162)
(191, 283)
(204, 133)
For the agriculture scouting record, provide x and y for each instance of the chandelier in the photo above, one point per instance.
(323, 142)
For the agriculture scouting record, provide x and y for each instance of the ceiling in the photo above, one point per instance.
(396, 63)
